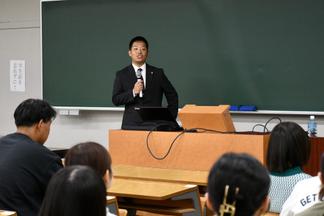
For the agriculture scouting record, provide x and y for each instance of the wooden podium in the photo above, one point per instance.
(191, 151)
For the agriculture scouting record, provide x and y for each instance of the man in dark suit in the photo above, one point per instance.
(141, 84)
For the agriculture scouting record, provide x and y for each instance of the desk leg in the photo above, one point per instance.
(194, 196)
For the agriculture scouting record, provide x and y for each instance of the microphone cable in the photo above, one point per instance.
(203, 130)
(276, 117)
(198, 130)
(260, 125)
(169, 149)
(191, 130)
(265, 129)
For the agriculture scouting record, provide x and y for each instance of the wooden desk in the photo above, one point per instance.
(192, 151)
(158, 174)
(155, 196)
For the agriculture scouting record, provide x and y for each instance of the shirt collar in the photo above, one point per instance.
(289, 172)
(143, 67)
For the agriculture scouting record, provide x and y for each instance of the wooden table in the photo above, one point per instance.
(156, 196)
(159, 174)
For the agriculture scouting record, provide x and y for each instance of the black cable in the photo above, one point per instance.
(169, 150)
(203, 130)
(191, 130)
(265, 129)
(261, 125)
(197, 130)
(276, 117)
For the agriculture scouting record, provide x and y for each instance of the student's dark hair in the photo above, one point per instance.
(75, 191)
(31, 111)
(242, 172)
(137, 38)
(289, 147)
(321, 193)
(89, 154)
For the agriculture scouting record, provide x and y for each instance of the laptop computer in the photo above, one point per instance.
(158, 118)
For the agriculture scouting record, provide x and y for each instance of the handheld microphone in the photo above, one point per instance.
(139, 77)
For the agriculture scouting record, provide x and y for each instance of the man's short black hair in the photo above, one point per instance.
(289, 147)
(31, 111)
(138, 38)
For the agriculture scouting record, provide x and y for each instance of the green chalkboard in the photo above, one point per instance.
(258, 52)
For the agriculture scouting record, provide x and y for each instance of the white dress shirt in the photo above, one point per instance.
(143, 67)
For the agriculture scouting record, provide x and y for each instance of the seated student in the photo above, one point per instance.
(75, 191)
(238, 184)
(94, 155)
(307, 198)
(288, 151)
(26, 166)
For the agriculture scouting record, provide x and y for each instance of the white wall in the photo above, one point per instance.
(20, 39)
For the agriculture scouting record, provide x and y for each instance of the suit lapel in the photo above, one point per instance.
(149, 76)
(132, 74)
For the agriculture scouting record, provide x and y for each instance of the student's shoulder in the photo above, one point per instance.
(315, 210)
(49, 158)
(20, 141)
(308, 181)
(301, 176)
(40, 151)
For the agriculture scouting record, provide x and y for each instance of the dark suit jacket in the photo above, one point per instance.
(157, 84)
